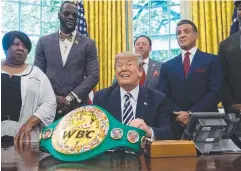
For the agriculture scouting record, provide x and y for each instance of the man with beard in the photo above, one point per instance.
(69, 59)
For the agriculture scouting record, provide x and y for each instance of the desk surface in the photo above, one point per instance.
(29, 157)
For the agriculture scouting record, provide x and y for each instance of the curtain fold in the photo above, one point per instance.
(213, 19)
(106, 21)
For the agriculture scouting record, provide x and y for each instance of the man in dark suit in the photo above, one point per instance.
(230, 55)
(69, 59)
(133, 104)
(192, 80)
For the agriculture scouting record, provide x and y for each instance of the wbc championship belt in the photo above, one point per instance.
(87, 132)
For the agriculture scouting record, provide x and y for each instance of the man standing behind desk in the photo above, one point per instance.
(192, 80)
(135, 105)
(150, 76)
(230, 55)
(69, 59)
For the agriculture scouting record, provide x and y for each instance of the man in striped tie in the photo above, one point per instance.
(133, 104)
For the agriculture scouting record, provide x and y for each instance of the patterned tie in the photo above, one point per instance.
(186, 63)
(143, 77)
(128, 114)
(63, 36)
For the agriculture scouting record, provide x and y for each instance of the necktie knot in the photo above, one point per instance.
(63, 36)
(128, 95)
(187, 54)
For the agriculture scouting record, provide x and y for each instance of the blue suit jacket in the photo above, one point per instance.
(200, 91)
(152, 107)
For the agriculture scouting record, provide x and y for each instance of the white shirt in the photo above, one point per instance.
(65, 47)
(192, 53)
(145, 66)
(38, 99)
(133, 99)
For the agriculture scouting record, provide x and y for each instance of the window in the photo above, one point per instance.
(34, 17)
(158, 19)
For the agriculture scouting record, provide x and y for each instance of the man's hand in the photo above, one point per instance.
(139, 123)
(182, 118)
(24, 134)
(237, 106)
(62, 103)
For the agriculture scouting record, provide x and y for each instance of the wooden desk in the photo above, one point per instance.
(30, 158)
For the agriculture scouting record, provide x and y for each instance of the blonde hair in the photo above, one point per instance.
(130, 54)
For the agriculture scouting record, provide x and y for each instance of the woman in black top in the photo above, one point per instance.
(19, 79)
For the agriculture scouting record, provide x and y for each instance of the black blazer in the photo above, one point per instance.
(152, 107)
(230, 56)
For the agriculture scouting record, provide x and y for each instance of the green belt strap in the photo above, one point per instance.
(87, 132)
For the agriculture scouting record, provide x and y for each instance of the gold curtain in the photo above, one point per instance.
(107, 24)
(213, 19)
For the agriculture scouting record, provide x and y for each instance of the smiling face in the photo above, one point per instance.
(68, 17)
(128, 72)
(17, 52)
(186, 36)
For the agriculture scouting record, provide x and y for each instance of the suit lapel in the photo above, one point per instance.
(56, 46)
(236, 42)
(179, 67)
(115, 104)
(142, 103)
(73, 48)
(151, 69)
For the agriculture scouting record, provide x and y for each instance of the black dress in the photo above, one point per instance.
(11, 100)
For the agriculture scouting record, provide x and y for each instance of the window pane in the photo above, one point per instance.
(162, 56)
(10, 19)
(30, 19)
(175, 16)
(31, 1)
(141, 20)
(1, 49)
(30, 58)
(158, 3)
(143, 3)
(52, 2)
(50, 21)
(172, 2)
(159, 21)
(175, 49)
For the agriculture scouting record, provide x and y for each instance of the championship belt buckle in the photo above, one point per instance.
(87, 132)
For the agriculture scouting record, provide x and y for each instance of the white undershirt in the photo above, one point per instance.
(65, 47)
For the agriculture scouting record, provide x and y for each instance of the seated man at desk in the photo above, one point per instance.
(136, 105)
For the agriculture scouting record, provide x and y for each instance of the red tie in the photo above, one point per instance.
(143, 77)
(186, 63)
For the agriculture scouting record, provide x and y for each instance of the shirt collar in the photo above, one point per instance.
(134, 93)
(73, 33)
(192, 51)
(146, 61)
